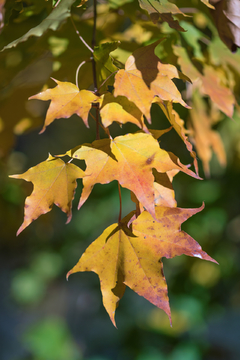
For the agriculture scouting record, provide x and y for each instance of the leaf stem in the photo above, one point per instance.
(93, 44)
(80, 37)
(77, 72)
(94, 66)
(120, 203)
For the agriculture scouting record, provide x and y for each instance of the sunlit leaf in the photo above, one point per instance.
(54, 183)
(66, 100)
(123, 258)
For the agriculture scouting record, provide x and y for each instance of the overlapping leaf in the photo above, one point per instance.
(209, 83)
(162, 9)
(100, 162)
(104, 64)
(54, 183)
(123, 258)
(121, 110)
(130, 160)
(66, 100)
(145, 77)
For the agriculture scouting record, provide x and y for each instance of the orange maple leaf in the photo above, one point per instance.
(66, 100)
(121, 257)
(54, 183)
(209, 83)
(129, 159)
(145, 77)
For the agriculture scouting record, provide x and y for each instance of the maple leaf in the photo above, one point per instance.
(101, 166)
(209, 83)
(121, 257)
(122, 110)
(54, 183)
(129, 159)
(162, 9)
(145, 77)
(66, 100)
(227, 20)
(104, 64)
(205, 138)
(164, 194)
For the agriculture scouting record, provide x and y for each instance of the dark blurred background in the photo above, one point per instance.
(44, 317)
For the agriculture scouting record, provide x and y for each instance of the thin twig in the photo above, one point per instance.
(77, 72)
(80, 37)
(106, 130)
(94, 66)
(120, 203)
(93, 44)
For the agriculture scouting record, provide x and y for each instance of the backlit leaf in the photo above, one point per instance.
(66, 100)
(122, 110)
(104, 63)
(209, 83)
(145, 77)
(123, 258)
(54, 183)
(101, 165)
(129, 159)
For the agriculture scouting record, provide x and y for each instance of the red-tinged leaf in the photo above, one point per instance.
(54, 182)
(186, 64)
(66, 100)
(137, 155)
(178, 125)
(121, 110)
(209, 83)
(219, 94)
(129, 159)
(164, 237)
(101, 168)
(123, 258)
(119, 258)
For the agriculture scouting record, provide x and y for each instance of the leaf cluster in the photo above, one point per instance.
(124, 86)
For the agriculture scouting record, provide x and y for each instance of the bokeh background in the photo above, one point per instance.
(44, 317)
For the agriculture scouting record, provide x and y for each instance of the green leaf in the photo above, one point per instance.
(104, 64)
(52, 21)
(163, 10)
